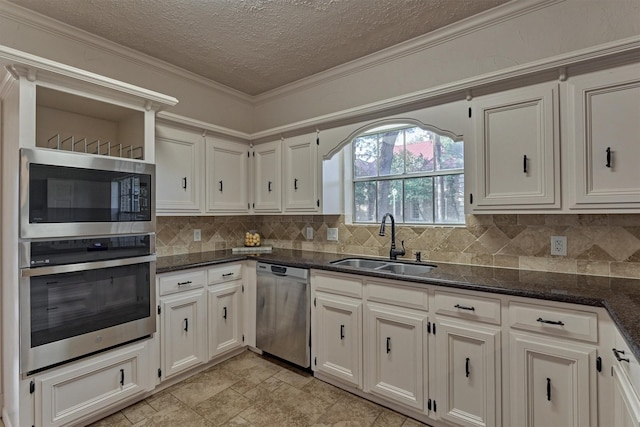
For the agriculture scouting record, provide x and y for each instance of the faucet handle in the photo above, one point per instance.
(418, 256)
(403, 250)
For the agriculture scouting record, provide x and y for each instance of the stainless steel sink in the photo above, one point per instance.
(384, 266)
(369, 264)
(407, 269)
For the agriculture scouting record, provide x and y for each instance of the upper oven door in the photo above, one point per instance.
(65, 194)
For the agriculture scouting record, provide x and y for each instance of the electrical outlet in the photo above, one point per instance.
(197, 235)
(559, 245)
(332, 234)
(309, 233)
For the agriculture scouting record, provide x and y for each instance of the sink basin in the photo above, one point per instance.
(407, 269)
(385, 266)
(369, 264)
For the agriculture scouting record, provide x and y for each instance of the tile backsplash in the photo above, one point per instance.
(603, 245)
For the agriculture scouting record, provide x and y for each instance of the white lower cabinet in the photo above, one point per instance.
(225, 317)
(183, 333)
(395, 347)
(468, 373)
(338, 337)
(78, 391)
(553, 382)
(626, 403)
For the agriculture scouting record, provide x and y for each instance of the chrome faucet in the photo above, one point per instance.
(393, 252)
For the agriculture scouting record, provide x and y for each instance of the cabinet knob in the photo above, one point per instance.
(341, 332)
(608, 151)
(466, 367)
(184, 183)
(524, 163)
(186, 325)
(549, 389)
(388, 345)
(224, 315)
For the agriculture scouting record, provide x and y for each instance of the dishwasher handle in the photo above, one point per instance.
(279, 270)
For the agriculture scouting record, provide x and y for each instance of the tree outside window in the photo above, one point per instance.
(414, 173)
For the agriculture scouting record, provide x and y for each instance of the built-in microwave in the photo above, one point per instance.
(67, 194)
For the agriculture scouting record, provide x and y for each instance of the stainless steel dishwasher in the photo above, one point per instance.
(283, 313)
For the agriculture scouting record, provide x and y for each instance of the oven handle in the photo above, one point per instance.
(71, 268)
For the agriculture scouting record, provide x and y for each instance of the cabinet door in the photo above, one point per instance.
(337, 337)
(604, 137)
(395, 354)
(626, 404)
(78, 391)
(552, 383)
(179, 171)
(301, 174)
(225, 317)
(183, 331)
(268, 177)
(468, 373)
(517, 149)
(227, 176)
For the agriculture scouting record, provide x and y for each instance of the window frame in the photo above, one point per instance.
(400, 125)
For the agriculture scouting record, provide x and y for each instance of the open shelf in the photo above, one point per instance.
(70, 122)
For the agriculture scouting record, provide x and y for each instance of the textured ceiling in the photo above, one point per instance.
(258, 45)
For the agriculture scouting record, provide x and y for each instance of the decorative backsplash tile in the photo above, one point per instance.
(605, 245)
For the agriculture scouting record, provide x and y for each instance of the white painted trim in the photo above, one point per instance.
(200, 125)
(5, 418)
(57, 28)
(458, 90)
(494, 16)
(15, 59)
(5, 85)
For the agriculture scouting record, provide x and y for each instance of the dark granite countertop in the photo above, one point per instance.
(620, 296)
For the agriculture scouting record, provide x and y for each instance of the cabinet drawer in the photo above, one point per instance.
(340, 284)
(470, 307)
(183, 281)
(561, 322)
(83, 389)
(402, 296)
(224, 274)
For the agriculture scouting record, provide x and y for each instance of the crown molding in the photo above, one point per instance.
(48, 25)
(505, 12)
(24, 65)
(608, 54)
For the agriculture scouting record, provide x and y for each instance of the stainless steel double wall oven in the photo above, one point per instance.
(87, 255)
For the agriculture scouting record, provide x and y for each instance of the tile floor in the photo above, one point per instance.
(251, 390)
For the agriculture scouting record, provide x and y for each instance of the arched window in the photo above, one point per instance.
(414, 172)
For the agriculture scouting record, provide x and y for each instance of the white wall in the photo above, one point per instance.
(199, 99)
(557, 28)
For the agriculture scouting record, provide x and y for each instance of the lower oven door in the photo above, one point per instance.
(74, 310)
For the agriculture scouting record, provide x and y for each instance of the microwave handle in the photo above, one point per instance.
(84, 266)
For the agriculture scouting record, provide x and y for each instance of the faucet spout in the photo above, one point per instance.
(393, 252)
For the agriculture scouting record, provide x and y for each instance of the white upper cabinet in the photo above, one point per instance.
(517, 149)
(604, 135)
(267, 184)
(301, 174)
(179, 171)
(227, 176)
